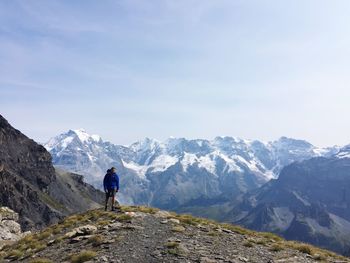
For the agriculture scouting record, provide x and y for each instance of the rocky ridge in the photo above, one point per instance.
(143, 234)
(30, 185)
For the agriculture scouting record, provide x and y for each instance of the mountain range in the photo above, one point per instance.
(179, 173)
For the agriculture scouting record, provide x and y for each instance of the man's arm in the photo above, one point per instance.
(105, 183)
(117, 178)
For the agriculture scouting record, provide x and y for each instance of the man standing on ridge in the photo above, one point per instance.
(111, 186)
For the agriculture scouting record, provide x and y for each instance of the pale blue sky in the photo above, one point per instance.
(185, 68)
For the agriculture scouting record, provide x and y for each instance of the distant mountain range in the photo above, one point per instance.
(180, 173)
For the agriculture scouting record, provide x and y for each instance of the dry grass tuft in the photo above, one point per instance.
(96, 240)
(276, 247)
(178, 229)
(40, 260)
(83, 256)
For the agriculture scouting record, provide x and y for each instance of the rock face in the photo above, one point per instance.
(310, 202)
(10, 229)
(180, 174)
(141, 234)
(30, 185)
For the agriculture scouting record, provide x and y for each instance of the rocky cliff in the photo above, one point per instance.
(30, 185)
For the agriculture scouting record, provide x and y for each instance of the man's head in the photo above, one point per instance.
(113, 170)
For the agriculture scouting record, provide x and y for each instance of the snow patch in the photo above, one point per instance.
(140, 170)
(188, 160)
(82, 135)
(207, 163)
(163, 162)
(342, 155)
(66, 141)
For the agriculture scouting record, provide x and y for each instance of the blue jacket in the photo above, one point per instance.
(111, 181)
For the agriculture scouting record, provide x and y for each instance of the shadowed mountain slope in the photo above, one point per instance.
(30, 185)
(310, 202)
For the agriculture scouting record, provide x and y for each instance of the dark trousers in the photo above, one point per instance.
(110, 193)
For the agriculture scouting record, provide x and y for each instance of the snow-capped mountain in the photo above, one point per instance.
(179, 172)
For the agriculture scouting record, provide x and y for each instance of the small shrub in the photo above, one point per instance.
(83, 256)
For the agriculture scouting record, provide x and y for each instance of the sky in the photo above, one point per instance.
(129, 69)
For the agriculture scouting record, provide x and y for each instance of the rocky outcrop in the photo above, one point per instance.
(143, 234)
(30, 185)
(10, 229)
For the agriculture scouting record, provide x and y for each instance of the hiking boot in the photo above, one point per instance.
(113, 209)
(105, 208)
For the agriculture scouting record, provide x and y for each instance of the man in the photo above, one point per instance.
(111, 186)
